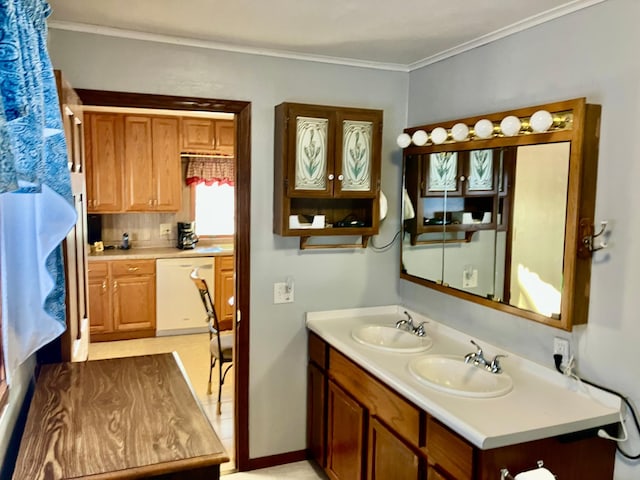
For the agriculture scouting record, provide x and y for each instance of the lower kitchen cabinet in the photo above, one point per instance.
(122, 299)
(224, 291)
(359, 428)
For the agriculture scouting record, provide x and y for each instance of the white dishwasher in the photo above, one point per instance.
(179, 309)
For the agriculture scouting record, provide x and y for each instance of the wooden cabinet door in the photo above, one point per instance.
(345, 436)
(166, 164)
(134, 300)
(388, 457)
(316, 418)
(198, 134)
(100, 316)
(104, 162)
(358, 151)
(138, 162)
(225, 136)
(224, 291)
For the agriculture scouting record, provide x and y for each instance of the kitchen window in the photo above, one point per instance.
(214, 209)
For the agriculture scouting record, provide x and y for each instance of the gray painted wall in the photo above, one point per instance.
(590, 53)
(323, 279)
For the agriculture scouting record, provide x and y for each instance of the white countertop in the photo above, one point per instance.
(162, 252)
(542, 403)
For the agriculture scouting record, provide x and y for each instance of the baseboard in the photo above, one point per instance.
(275, 460)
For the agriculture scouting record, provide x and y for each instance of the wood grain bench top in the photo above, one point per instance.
(123, 418)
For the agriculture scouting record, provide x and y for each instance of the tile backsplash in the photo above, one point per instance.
(144, 228)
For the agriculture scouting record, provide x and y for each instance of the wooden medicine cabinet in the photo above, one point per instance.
(506, 221)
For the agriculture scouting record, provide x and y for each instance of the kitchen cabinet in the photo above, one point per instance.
(208, 136)
(224, 291)
(327, 163)
(151, 164)
(133, 163)
(369, 431)
(122, 299)
(104, 162)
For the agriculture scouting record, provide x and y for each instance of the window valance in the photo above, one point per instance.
(210, 170)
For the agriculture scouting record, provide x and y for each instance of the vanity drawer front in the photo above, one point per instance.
(97, 269)
(383, 403)
(448, 451)
(317, 351)
(136, 267)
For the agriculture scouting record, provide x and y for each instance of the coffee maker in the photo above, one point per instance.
(187, 237)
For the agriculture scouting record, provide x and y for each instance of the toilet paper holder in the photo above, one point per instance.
(505, 475)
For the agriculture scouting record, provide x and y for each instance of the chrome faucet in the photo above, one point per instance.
(408, 325)
(405, 323)
(477, 358)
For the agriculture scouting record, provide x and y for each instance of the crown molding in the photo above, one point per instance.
(505, 32)
(396, 67)
(226, 47)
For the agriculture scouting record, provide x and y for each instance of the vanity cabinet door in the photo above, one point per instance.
(100, 318)
(345, 435)
(134, 295)
(388, 456)
(316, 417)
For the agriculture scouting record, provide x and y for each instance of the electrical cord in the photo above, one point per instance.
(388, 244)
(557, 358)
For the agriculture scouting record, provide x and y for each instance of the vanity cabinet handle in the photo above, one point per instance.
(115, 285)
(104, 286)
(133, 269)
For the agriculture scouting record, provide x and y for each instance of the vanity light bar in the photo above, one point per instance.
(540, 122)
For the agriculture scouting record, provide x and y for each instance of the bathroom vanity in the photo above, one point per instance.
(370, 417)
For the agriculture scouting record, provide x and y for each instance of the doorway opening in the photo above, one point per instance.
(241, 112)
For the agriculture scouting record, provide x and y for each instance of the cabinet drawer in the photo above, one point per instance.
(382, 402)
(448, 451)
(134, 267)
(97, 269)
(317, 351)
(225, 263)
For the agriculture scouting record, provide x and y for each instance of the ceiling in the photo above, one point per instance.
(400, 35)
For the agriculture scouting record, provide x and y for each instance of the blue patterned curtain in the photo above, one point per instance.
(36, 209)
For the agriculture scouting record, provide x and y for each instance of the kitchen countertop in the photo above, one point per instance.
(541, 404)
(162, 252)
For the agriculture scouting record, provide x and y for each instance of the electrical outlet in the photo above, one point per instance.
(470, 278)
(561, 347)
(282, 292)
(165, 229)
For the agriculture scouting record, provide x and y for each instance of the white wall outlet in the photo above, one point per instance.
(470, 278)
(165, 229)
(561, 347)
(282, 292)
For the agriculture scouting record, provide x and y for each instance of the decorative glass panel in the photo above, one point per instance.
(311, 153)
(481, 170)
(356, 155)
(443, 172)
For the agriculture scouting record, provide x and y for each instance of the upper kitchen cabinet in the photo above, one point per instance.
(327, 167)
(104, 161)
(151, 163)
(133, 163)
(208, 136)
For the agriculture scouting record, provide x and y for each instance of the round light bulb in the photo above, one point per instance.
(510, 125)
(460, 132)
(541, 121)
(420, 138)
(484, 128)
(403, 140)
(439, 135)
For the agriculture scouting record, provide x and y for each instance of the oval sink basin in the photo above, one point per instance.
(450, 374)
(390, 339)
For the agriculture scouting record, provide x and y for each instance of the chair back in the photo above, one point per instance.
(207, 301)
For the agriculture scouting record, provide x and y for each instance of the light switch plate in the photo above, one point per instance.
(282, 294)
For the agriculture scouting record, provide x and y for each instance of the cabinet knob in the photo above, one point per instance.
(340, 177)
(115, 285)
(331, 177)
(104, 285)
(150, 203)
(133, 269)
(462, 178)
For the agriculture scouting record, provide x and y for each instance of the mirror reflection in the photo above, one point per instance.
(490, 222)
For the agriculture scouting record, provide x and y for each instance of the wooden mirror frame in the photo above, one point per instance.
(583, 135)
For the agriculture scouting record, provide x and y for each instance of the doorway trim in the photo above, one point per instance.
(242, 243)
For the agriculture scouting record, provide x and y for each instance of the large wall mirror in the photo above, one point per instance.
(498, 209)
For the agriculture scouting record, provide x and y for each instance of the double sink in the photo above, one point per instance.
(446, 373)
